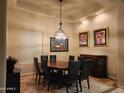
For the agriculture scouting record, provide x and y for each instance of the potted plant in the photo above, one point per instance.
(11, 64)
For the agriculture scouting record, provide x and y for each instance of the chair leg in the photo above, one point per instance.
(77, 86)
(66, 89)
(80, 85)
(36, 78)
(88, 83)
(48, 87)
(39, 80)
(43, 81)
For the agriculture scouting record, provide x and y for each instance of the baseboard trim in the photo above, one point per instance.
(114, 78)
(120, 86)
(27, 74)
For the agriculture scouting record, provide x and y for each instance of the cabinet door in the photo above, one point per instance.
(101, 67)
(13, 83)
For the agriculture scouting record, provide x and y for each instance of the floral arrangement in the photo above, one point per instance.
(10, 64)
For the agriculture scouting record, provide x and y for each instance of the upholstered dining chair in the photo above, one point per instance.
(71, 58)
(84, 72)
(52, 78)
(38, 72)
(72, 76)
(44, 62)
(52, 58)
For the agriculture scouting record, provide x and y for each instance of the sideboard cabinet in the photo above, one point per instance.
(13, 81)
(98, 64)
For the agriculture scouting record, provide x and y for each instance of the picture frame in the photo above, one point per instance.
(84, 39)
(101, 37)
(58, 45)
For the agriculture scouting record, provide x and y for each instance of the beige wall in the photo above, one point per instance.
(3, 11)
(106, 19)
(121, 46)
(21, 20)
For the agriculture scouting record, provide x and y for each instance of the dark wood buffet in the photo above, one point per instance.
(98, 64)
(13, 81)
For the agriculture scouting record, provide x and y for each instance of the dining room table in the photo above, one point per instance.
(58, 64)
(59, 69)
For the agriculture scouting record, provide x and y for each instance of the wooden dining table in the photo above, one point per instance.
(57, 70)
(58, 64)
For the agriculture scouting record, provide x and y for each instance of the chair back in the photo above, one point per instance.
(73, 70)
(85, 69)
(36, 65)
(71, 58)
(44, 61)
(53, 58)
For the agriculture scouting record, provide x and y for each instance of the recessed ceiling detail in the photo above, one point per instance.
(73, 10)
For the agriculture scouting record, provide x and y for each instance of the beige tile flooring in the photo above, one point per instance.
(118, 90)
(98, 85)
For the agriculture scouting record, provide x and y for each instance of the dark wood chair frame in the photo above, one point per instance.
(39, 72)
(84, 72)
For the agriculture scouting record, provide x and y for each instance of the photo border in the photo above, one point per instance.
(106, 31)
(56, 42)
(87, 44)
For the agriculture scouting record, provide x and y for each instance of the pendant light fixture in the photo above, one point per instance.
(59, 34)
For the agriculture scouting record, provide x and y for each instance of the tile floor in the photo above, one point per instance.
(98, 85)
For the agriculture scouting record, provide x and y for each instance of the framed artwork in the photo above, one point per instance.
(58, 45)
(83, 39)
(101, 37)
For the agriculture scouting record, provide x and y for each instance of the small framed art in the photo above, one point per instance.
(83, 39)
(101, 37)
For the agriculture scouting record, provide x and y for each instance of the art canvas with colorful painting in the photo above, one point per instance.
(101, 37)
(58, 45)
(83, 39)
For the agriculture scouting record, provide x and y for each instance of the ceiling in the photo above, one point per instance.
(72, 10)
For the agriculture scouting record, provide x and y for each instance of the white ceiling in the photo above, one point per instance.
(72, 10)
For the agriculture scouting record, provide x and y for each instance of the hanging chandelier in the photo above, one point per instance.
(60, 34)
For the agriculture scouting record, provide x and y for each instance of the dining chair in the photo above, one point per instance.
(37, 69)
(44, 62)
(53, 58)
(71, 58)
(84, 72)
(52, 78)
(72, 76)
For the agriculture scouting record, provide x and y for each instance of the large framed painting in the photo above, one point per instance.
(101, 37)
(58, 45)
(83, 39)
